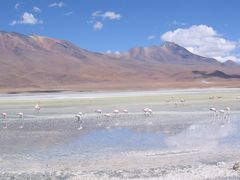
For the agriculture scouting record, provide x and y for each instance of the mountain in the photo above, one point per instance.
(168, 53)
(230, 63)
(42, 63)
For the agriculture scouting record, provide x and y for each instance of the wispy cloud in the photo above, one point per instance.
(151, 37)
(98, 25)
(27, 18)
(203, 40)
(36, 9)
(14, 22)
(56, 4)
(108, 51)
(17, 5)
(178, 23)
(107, 15)
(68, 13)
(98, 17)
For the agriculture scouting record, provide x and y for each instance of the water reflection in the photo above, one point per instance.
(205, 136)
(116, 140)
(195, 136)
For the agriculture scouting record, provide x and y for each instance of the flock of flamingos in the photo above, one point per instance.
(217, 113)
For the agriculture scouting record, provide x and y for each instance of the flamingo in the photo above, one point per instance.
(4, 115)
(80, 113)
(211, 97)
(20, 116)
(125, 111)
(99, 112)
(214, 110)
(107, 115)
(116, 112)
(150, 111)
(227, 109)
(182, 101)
(147, 111)
(222, 113)
(79, 120)
(37, 107)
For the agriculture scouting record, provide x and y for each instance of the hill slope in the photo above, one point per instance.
(35, 63)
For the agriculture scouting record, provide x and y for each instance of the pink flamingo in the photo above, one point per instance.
(4, 115)
(147, 111)
(116, 112)
(20, 116)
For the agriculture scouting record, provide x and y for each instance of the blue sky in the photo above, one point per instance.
(118, 25)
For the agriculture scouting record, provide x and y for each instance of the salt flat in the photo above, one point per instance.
(180, 140)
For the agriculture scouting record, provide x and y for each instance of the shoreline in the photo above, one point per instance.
(2, 92)
(96, 87)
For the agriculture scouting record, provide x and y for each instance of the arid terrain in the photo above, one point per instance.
(36, 63)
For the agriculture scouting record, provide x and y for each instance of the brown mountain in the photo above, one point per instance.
(168, 53)
(42, 63)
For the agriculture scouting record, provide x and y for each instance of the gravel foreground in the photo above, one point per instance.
(208, 172)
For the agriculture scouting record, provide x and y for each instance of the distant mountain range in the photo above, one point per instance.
(42, 63)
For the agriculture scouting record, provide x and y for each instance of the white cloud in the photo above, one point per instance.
(36, 9)
(107, 15)
(111, 15)
(16, 6)
(96, 13)
(178, 23)
(98, 26)
(108, 52)
(117, 53)
(112, 52)
(56, 4)
(14, 22)
(98, 17)
(151, 37)
(203, 40)
(27, 18)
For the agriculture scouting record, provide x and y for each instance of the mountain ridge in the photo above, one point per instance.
(40, 62)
